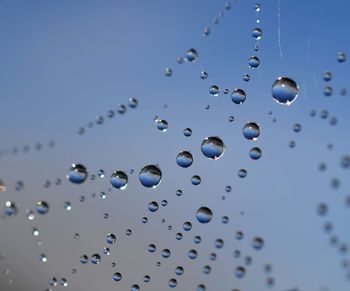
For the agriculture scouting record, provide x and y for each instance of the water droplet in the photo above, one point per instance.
(133, 102)
(214, 90)
(327, 91)
(187, 132)
(196, 180)
(253, 62)
(67, 206)
(121, 109)
(187, 226)
(119, 180)
(204, 75)
(192, 254)
(246, 78)
(53, 282)
(206, 31)
(257, 7)
(77, 174)
(162, 124)
(212, 147)
(257, 33)
(285, 91)
(251, 130)
(117, 277)
(341, 57)
(63, 282)
(95, 259)
(42, 207)
(10, 209)
(179, 60)
(153, 206)
(191, 55)
(184, 159)
(327, 76)
(168, 72)
(165, 253)
(84, 259)
(43, 258)
(238, 96)
(151, 248)
(240, 272)
(297, 127)
(255, 153)
(204, 214)
(111, 238)
(258, 243)
(242, 173)
(30, 214)
(179, 270)
(172, 283)
(150, 176)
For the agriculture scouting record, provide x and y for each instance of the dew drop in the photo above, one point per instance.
(212, 147)
(253, 62)
(214, 90)
(184, 159)
(42, 207)
(284, 91)
(255, 153)
(191, 55)
(150, 176)
(119, 180)
(251, 131)
(238, 96)
(77, 174)
(257, 33)
(204, 214)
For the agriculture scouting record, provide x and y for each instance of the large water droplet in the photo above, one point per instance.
(285, 91)
(95, 259)
(251, 131)
(238, 96)
(204, 215)
(214, 90)
(150, 176)
(253, 62)
(212, 147)
(10, 209)
(42, 207)
(162, 124)
(77, 174)
(191, 55)
(184, 159)
(257, 33)
(119, 180)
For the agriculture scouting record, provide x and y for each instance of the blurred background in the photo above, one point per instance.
(68, 71)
